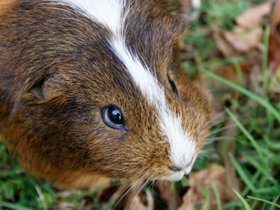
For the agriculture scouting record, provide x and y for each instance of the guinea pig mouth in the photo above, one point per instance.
(177, 176)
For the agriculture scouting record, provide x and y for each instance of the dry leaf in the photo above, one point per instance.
(190, 199)
(169, 195)
(119, 195)
(200, 181)
(238, 41)
(275, 83)
(136, 203)
(247, 34)
(137, 199)
(244, 41)
(274, 50)
(222, 44)
(254, 16)
(274, 41)
(65, 206)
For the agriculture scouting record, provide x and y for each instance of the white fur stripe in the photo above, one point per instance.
(182, 144)
(112, 14)
(105, 12)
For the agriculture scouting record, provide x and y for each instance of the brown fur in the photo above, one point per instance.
(6, 5)
(57, 72)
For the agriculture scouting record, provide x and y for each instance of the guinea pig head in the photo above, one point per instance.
(101, 89)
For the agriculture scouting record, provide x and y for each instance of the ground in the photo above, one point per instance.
(239, 167)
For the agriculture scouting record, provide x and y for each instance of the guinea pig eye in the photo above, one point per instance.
(173, 85)
(113, 117)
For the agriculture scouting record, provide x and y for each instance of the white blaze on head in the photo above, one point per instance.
(105, 12)
(112, 14)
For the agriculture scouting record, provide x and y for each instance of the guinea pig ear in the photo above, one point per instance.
(44, 90)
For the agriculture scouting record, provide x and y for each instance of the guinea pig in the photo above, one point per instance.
(92, 91)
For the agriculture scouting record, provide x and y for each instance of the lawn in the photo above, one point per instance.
(239, 168)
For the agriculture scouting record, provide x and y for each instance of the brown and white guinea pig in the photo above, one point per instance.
(92, 91)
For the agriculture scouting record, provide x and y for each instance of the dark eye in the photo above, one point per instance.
(173, 85)
(113, 117)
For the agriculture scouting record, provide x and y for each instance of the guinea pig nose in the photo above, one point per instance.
(175, 168)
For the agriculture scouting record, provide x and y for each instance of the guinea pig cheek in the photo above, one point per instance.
(176, 176)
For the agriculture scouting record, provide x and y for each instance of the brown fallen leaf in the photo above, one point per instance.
(253, 17)
(65, 206)
(190, 200)
(274, 40)
(136, 198)
(120, 194)
(136, 203)
(243, 41)
(169, 195)
(222, 44)
(208, 179)
(246, 35)
(238, 41)
(274, 50)
(275, 83)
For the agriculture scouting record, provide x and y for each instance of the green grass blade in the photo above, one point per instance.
(246, 133)
(13, 206)
(207, 203)
(255, 177)
(264, 201)
(274, 201)
(249, 94)
(242, 174)
(253, 162)
(272, 144)
(218, 197)
(244, 202)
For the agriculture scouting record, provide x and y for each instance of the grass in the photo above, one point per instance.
(256, 155)
(257, 116)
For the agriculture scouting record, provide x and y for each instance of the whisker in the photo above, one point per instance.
(153, 184)
(141, 188)
(215, 131)
(218, 140)
(205, 153)
(218, 115)
(221, 138)
(128, 191)
(215, 121)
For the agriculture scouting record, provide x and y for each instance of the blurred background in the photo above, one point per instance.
(234, 48)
